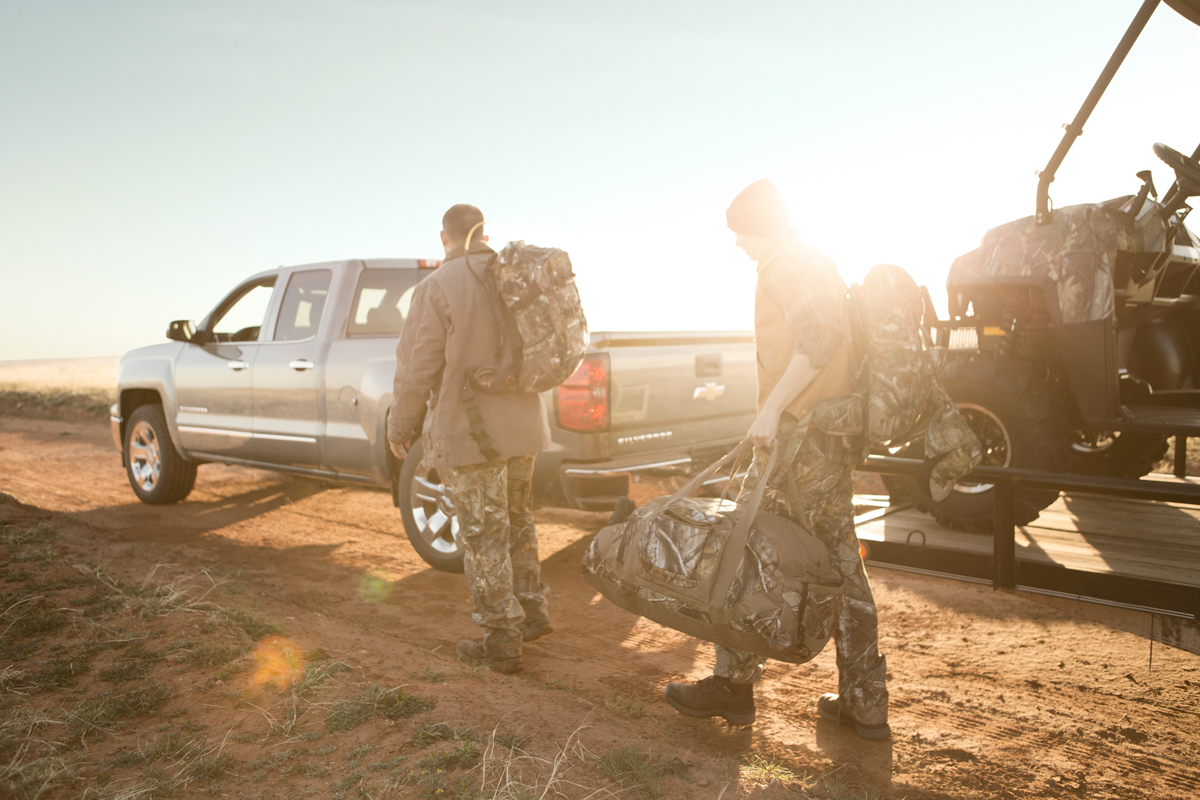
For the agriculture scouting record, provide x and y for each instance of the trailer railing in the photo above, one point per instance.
(1003, 570)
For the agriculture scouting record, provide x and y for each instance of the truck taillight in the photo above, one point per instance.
(583, 397)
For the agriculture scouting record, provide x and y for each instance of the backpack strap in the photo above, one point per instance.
(478, 431)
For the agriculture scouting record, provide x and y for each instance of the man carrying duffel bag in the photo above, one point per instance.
(802, 339)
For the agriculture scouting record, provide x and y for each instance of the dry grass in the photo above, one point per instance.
(151, 598)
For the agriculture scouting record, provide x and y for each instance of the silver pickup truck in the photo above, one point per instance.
(292, 371)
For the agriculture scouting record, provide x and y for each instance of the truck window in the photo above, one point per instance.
(381, 301)
(303, 302)
(243, 315)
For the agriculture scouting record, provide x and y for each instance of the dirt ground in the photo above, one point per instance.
(278, 637)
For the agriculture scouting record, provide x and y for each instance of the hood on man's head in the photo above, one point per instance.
(759, 210)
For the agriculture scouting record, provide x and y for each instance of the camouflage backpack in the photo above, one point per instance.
(897, 395)
(544, 334)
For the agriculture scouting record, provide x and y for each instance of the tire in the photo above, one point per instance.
(1116, 455)
(428, 513)
(1017, 410)
(156, 471)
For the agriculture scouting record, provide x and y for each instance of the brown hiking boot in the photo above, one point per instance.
(829, 706)
(536, 631)
(473, 651)
(713, 697)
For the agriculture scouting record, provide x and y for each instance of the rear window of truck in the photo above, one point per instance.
(381, 301)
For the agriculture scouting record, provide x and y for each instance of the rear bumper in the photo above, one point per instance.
(595, 486)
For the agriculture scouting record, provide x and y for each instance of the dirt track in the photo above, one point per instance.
(993, 695)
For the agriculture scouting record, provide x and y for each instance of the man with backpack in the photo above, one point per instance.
(483, 444)
(802, 338)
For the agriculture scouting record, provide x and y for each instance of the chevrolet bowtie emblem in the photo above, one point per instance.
(709, 391)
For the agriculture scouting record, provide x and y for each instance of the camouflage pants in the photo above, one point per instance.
(501, 549)
(826, 498)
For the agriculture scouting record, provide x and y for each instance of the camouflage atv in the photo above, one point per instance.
(1074, 338)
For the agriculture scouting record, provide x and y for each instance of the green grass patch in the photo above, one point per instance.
(632, 770)
(15, 649)
(358, 753)
(172, 746)
(462, 756)
(512, 741)
(61, 672)
(249, 624)
(374, 701)
(15, 535)
(211, 767)
(102, 711)
(101, 604)
(617, 702)
(390, 764)
(761, 771)
(441, 732)
(55, 403)
(214, 655)
(46, 620)
(135, 663)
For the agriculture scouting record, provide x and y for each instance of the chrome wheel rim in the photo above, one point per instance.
(1093, 441)
(145, 462)
(993, 440)
(433, 511)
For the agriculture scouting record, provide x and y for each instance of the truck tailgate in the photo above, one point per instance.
(674, 391)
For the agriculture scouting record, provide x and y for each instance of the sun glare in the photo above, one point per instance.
(277, 661)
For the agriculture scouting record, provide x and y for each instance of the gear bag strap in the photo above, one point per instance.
(478, 431)
(708, 472)
(735, 547)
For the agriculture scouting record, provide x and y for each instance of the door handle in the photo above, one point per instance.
(239, 365)
(302, 364)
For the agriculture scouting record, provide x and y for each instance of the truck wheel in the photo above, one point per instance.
(1016, 410)
(157, 473)
(1117, 455)
(428, 513)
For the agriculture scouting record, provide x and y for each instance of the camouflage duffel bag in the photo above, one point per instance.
(721, 571)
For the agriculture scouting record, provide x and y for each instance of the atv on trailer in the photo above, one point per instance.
(1074, 338)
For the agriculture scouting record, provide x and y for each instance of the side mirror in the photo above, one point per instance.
(181, 330)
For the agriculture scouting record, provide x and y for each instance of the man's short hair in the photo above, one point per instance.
(458, 222)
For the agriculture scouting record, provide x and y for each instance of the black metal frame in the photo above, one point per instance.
(1004, 571)
(1075, 128)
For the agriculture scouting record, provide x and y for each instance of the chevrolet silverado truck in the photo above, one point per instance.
(292, 371)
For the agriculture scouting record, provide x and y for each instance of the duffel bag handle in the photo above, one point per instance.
(732, 557)
(708, 472)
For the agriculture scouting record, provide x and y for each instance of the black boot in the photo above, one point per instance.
(713, 697)
(476, 652)
(536, 631)
(829, 706)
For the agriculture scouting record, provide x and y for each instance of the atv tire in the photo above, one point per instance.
(1017, 410)
(1128, 455)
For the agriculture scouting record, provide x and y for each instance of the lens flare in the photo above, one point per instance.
(277, 660)
(374, 588)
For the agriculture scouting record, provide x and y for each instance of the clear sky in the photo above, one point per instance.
(154, 153)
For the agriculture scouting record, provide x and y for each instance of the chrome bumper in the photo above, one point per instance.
(596, 486)
(114, 417)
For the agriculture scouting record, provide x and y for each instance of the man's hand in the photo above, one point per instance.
(762, 432)
(400, 451)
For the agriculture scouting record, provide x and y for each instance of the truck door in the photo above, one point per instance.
(360, 368)
(287, 375)
(213, 403)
